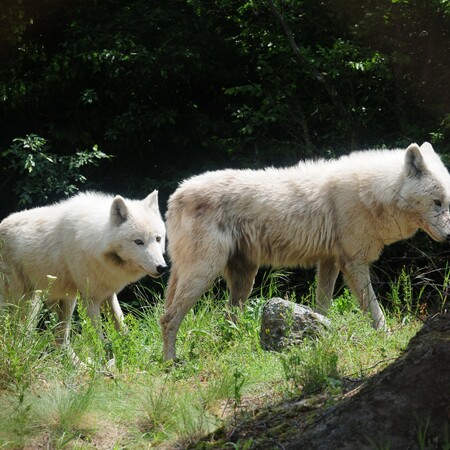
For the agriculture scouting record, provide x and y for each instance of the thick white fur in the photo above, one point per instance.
(336, 215)
(88, 243)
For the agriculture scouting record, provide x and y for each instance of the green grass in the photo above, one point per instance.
(49, 400)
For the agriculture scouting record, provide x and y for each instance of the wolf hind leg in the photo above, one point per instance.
(27, 309)
(327, 273)
(171, 289)
(182, 294)
(240, 275)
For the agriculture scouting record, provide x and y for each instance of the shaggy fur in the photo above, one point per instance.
(92, 243)
(336, 215)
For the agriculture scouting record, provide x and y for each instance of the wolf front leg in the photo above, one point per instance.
(358, 279)
(240, 275)
(93, 312)
(116, 311)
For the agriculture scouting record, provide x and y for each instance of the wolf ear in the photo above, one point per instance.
(427, 147)
(414, 162)
(119, 210)
(151, 200)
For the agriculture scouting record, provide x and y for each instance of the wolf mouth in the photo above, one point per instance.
(434, 233)
(152, 274)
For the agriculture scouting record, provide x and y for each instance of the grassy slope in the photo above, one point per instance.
(47, 401)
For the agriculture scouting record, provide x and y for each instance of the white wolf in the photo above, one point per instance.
(336, 215)
(92, 243)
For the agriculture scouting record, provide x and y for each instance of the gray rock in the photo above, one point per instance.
(285, 323)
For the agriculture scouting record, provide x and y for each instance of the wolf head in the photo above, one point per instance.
(425, 191)
(139, 235)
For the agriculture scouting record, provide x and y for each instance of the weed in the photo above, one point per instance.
(24, 351)
(66, 412)
(89, 345)
(272, 283)
(402, 302)
(239, 379)
(174, 412)
(345, 303)
(310, 368)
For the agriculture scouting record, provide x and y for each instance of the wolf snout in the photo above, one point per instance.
(162, 269)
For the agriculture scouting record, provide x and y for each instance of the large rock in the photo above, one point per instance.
(285, 323)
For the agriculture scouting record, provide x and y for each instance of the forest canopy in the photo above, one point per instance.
(131, 96)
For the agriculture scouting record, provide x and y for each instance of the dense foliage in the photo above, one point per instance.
(173, 88)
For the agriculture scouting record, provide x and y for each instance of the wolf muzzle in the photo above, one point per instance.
(161, 269)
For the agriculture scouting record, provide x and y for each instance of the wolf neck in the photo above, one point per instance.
(121, 267)
(382, 198)
(113, 257)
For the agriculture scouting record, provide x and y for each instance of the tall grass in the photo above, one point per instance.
(49, 399)
(24, 351)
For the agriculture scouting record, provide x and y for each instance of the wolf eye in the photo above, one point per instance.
(139, 242)
(437, 203)
(158, 238)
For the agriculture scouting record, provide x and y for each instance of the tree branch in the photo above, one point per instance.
(306, 64)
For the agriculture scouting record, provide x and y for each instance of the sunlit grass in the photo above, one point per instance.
(48, 398)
